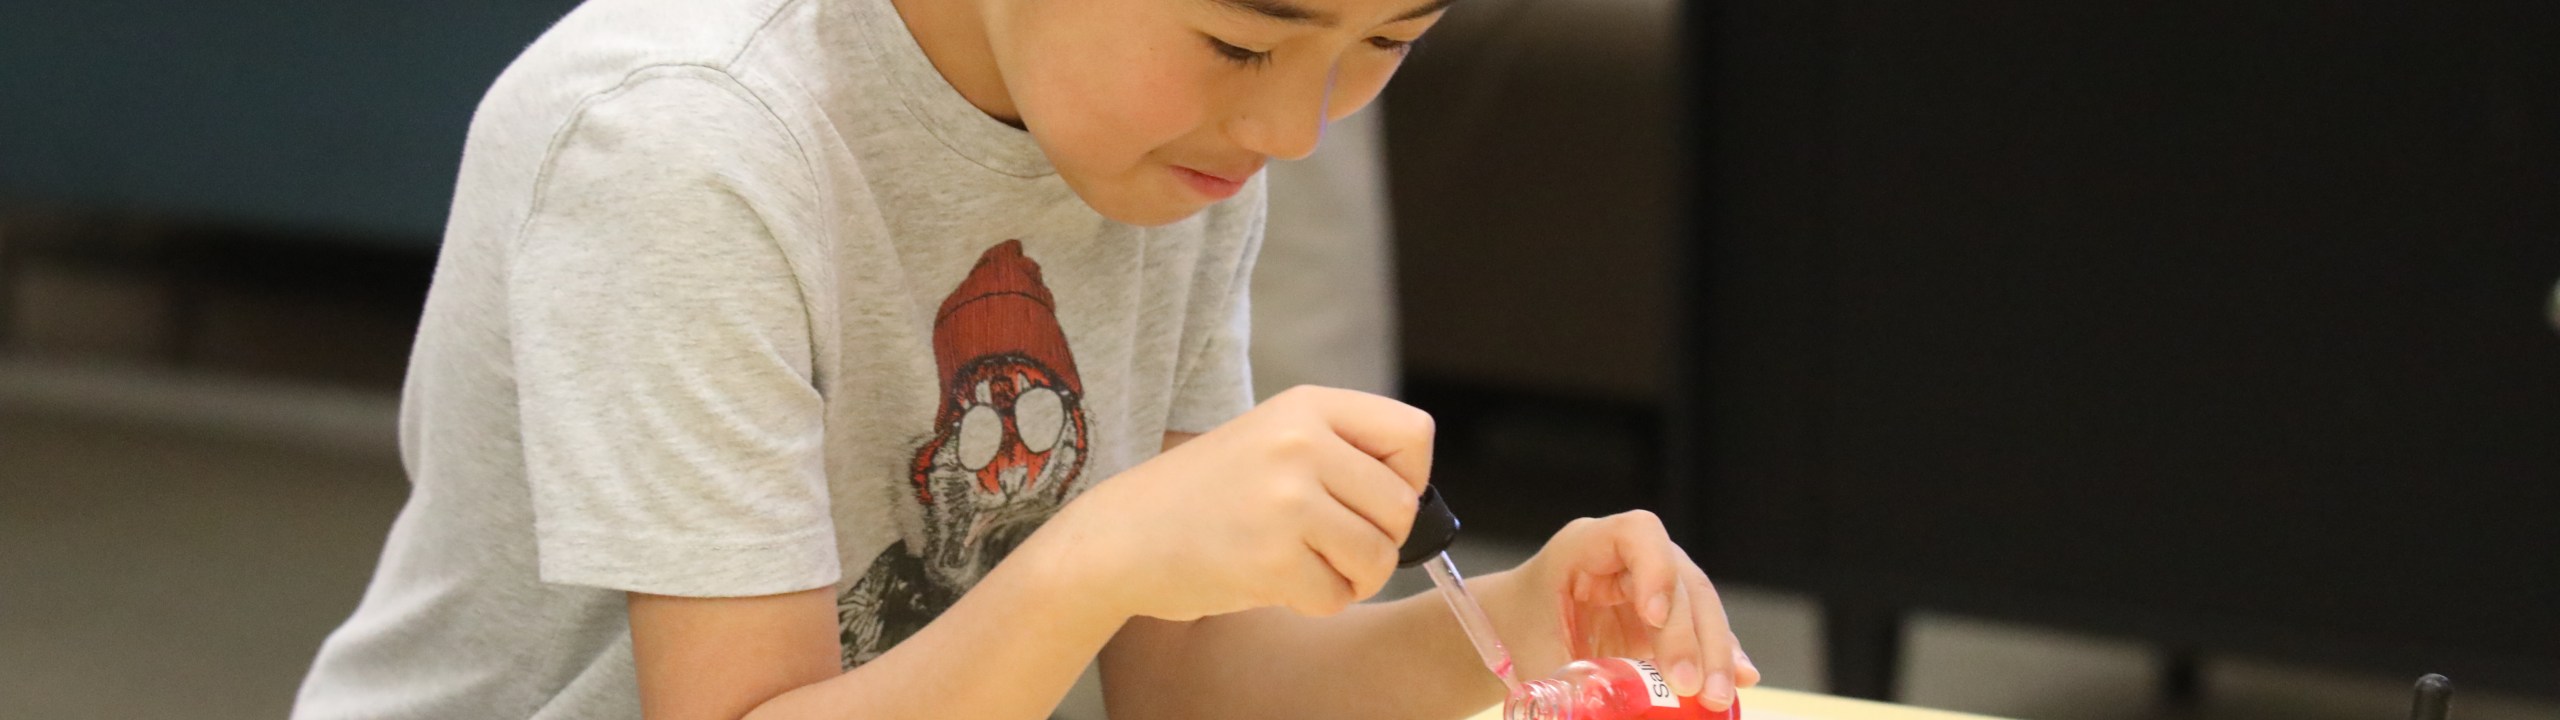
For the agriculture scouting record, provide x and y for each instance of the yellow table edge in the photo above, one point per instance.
(1799, 705)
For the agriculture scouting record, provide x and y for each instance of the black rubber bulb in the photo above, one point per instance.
(1434, 527)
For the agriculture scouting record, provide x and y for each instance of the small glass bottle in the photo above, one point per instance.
(1607, 689)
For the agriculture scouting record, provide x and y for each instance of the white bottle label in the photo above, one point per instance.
(1656, 689)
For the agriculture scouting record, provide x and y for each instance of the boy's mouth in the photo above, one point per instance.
(1216, 185)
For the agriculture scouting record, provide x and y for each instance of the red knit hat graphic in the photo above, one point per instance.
(1002, 308)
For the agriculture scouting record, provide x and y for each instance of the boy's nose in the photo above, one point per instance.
(1287, 120)
(1289, 139)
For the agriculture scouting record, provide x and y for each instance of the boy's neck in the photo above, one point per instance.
(954, 34)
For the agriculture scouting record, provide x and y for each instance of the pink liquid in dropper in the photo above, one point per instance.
(1471, 618)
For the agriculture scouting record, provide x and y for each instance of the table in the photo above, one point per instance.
(1776, 704)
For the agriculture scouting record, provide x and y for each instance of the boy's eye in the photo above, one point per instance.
(1238, 55)
(1391, 44)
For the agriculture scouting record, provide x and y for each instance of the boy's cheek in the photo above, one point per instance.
(1110, 117)
(1148, 103)
(1358, 85)
(1115, 55)
(1144, 111)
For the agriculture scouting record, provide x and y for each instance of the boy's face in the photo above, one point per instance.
(1153, 109)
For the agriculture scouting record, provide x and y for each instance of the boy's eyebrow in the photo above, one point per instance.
(1425, 9)
(1281, 10)
(1287, 11)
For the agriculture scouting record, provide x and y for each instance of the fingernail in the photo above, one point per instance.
(1684, 679)
(1719, 693)
(1657, 611)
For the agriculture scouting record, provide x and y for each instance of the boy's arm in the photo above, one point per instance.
(1311, 492)
(1401, 659)
(1409, 659)
(778, 656)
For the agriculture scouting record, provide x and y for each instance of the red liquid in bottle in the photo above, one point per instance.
(1608, 689)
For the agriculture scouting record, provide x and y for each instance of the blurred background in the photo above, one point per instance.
(2079, 361)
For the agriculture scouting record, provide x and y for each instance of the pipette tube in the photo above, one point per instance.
(1471, 618)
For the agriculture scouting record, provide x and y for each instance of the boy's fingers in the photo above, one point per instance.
(1632, 637)
(1709, 629)
(1637, 554)
(1619, 559)
(1365, 486)
(1357, 551)
(1315, 589)
(1671, 594)
(1395, 433)
(1745, 674)
(1639, 544)
(1675, 644)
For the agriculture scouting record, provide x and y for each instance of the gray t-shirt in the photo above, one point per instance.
(740, 297)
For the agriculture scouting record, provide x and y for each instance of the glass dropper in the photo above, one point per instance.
(1471, 618)
(1434, 527)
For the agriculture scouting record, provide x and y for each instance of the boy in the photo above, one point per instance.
(772, 338)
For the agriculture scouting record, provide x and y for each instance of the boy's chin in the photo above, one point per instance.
(1145, 209)
(1147, 197)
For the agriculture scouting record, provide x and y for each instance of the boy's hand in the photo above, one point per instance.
(1300, 502)
(1617, 586)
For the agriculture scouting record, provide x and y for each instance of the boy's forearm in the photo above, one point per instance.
(1400, 659)
(1007, 650)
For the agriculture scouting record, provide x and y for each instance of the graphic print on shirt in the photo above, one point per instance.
(1007, 447)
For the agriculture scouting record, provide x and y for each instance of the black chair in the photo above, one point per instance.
(2219, 326)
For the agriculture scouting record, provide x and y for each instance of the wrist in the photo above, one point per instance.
(1524, 606)
(1070, 572)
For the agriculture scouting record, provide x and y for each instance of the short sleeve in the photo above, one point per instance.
(1218, 384)
(672, 429)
